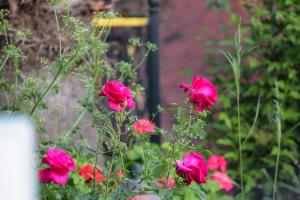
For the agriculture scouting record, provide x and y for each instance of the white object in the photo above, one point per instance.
(18, 174)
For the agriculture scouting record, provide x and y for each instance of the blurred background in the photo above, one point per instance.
(186, 27)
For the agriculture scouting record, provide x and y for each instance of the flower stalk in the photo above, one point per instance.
(278, 137)
(235, 62)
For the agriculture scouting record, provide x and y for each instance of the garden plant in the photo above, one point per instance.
(271, 35)
(125, 164)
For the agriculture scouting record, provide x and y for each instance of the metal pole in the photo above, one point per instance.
(153, 66)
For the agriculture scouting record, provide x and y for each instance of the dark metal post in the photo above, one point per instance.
(153, 66)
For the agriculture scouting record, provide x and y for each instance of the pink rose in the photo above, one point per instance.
(144, 126)
(192, 168)
(134, 198)
(161, 183)
(216, 162)
(223, 179)
(60, 164)
(119, 96)
(59, 160)
(49, 175)
(202, 92)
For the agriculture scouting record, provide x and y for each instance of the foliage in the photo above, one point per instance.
(129, 166)
(273, 31)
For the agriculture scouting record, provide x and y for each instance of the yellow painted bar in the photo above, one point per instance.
(121, 22)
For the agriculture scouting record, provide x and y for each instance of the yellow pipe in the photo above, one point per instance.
(121, 22)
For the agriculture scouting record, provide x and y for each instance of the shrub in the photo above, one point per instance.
(124, 163)
(273, 31)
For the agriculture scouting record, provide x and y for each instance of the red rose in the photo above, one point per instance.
(202, 92)
(224, 180)
(216, 162)
(119, 96)
(60, 164)
(144, 126)
(161, 183)
(87, 172)
(192, 168)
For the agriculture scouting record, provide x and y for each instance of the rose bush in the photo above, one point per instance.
(120, 163)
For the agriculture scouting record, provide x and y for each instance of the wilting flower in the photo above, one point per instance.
(144, 126)
(192, 168)
(87, 172)
(161, 183)
(202, 92)
(216, 162)
(60, 164)
(119, 96)
(224, 180)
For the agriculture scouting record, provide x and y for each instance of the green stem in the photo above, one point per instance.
(278, 137)
(55, 79)
(276, 171)
(58, 29)
(145, 163)
(95, 167)
(110, 168)
(16, 85)
(74, 125)
(236, 65)
(47, 90)
(170, 164)
(142, 61)
(5, 32)
(119, 125)
(4, 62)
(115, 136)
(240, 142)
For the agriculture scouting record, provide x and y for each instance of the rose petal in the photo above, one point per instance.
(44, 175)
